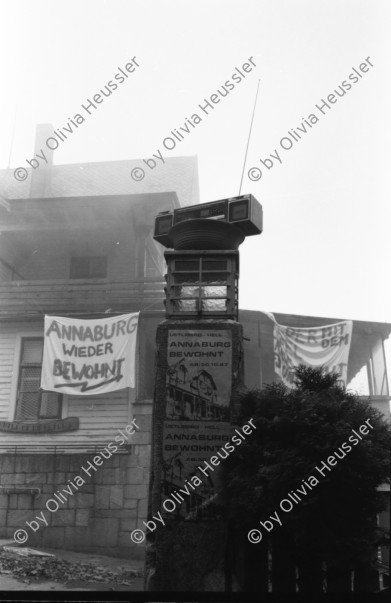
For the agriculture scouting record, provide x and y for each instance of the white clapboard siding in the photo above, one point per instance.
(100, 416)
(7, 357)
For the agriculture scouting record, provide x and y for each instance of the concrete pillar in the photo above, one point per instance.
(199, 365)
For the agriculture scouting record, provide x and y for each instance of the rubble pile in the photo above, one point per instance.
(29, 569)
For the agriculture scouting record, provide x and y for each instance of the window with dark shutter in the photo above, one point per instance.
(32, 402)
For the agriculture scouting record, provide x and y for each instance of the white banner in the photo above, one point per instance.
(94, 356)
(326, 346)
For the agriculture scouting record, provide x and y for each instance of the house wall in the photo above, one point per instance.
(100, 416)
(48, 254)
(102, 513)
(98, 516)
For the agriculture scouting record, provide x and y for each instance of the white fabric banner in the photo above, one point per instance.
(94, 356)
(326, 346)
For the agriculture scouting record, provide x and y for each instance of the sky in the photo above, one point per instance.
(324, 250)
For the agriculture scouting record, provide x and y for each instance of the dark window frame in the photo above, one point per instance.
(78, 272)
(40, 392)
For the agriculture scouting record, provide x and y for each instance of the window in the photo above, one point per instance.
(33, 403)
(202, 285)
(89, 267)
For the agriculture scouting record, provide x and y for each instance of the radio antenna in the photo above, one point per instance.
(249, 136)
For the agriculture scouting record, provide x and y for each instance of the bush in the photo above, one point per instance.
(297, 429)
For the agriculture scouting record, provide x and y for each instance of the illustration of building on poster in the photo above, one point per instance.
(199, 375)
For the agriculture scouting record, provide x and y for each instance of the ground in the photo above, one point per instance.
(67, 571)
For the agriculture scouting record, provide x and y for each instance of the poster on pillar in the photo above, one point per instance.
(187, 448)
(93, 356)
(199, 374)
(326, 346)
